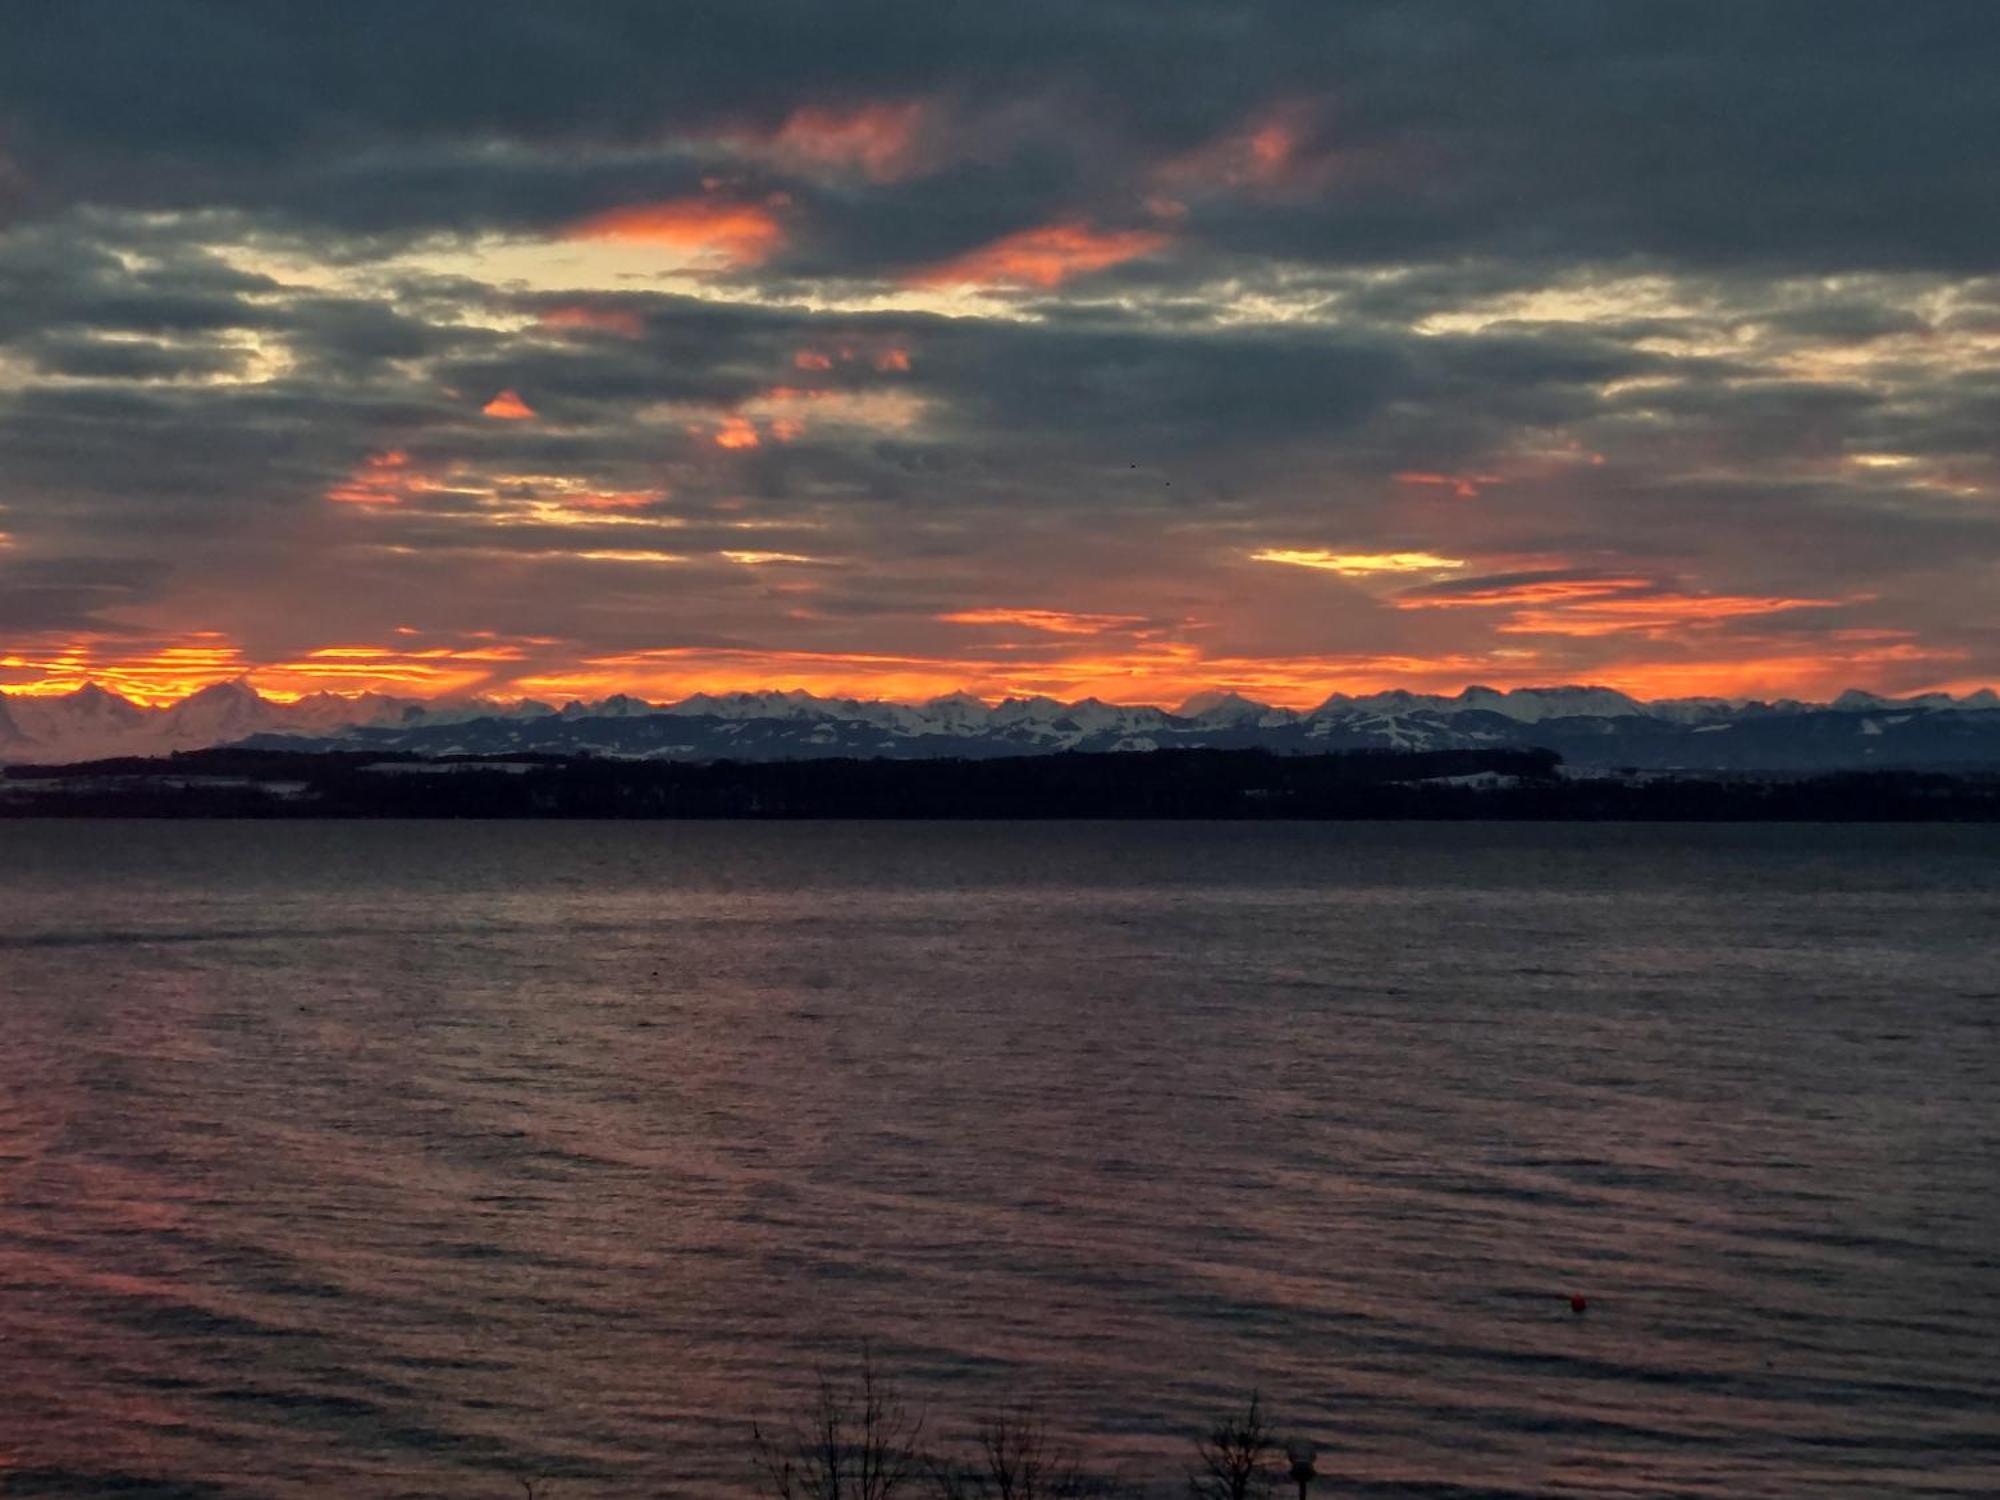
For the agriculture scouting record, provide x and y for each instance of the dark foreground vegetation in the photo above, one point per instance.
(1228, 784)
(859, 1441)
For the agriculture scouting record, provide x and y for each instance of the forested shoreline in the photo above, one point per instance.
(1506, 784)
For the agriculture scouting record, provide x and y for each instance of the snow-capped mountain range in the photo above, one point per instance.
(1588, 726)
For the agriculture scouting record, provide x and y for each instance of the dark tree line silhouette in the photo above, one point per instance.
(1162, 784)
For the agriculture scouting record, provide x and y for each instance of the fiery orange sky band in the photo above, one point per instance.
(1164, 675)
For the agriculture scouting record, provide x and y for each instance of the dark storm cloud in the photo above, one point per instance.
(96, 359)
(1814, 132)
(1021, 383)
(352, 335)
(75, 277)
(73, 593)
(1846, 322)
(1015, 413)
(162, 464)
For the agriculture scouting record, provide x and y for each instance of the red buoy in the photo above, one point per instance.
(1578, 1303)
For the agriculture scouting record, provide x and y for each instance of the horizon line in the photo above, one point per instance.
(67, 688)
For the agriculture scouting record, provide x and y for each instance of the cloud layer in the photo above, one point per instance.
(1116, 349)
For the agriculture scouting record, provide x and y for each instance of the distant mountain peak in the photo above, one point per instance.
(1221, 706)
(232, 688)
(1200, 703)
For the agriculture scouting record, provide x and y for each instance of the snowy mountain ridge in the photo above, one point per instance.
(1587, 724)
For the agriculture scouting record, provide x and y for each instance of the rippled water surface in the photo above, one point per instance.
(396, 1159)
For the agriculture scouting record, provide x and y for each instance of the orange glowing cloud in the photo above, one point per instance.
(508, 407)
(631, 500)
(1652, 613)
(157, 671)
(1051, 621)
(430, 671)
(582, 317)
(880, 141)
(737, 432)
(1496, 593)
(1780, 669)
(889, 361)
(709, 229)
(1269, 153)
(165, 671)
(1044, 257)
(1602, 606)
(380, 479)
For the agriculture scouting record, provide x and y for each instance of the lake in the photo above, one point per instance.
(402, 1159)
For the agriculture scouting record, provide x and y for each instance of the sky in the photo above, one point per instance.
(1126, 348)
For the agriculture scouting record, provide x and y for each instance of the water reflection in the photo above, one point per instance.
(389, 1160)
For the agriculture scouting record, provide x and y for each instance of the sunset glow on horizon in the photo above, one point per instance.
(1138, 672)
